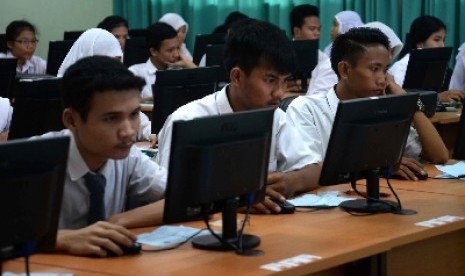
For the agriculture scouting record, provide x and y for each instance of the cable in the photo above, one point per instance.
(27, 265)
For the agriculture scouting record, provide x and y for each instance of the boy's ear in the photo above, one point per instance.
(9, 44)
(69, 118)
(235, 75)
(153, 52)
(343, 68)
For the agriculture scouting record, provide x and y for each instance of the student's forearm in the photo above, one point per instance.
(305, 179)
(148, 215)
(433, 148)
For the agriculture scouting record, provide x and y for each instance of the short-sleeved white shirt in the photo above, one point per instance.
(399, 68)
(34, 65)
(457, 81)
(6, 111)
(323, 76)
(147, 71)
(130, 182)
(287, 153)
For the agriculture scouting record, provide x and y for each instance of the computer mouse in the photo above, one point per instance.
(421, 176)
(286, 206)
(135, 248)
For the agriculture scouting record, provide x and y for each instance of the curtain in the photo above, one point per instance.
(204, 15)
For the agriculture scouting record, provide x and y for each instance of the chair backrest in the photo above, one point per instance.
(57, 51)
(201, 42)
(7, 76)
(286, 102)
(459, 149)
(3, 43)
(72, 35)
(135, 51)
(175, 88)
(37, 108)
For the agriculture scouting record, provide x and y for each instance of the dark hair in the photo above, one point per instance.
(14, 29)
(92, 75)
(158, 32)
(351, 45)
(420, 29)
(251, 42)
(111, 22)
(299, 13)
(232, 18)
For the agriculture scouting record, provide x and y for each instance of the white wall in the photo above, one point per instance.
(53, 17)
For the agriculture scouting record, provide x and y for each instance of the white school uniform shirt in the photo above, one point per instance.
(147, 71)
(287, 153)
(130, 182)
(313, 116)
(457, 81)
(34, 65)
(6, 111)
(323, 76)
(399, 68)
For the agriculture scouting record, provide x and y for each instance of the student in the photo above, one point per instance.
(305, 24)
(21, 43)
(360, 59)
(457, 81)
(395, 44)
(163, 44)
(259, 59)
(97, 41)
(102, 105)
(342, 22)
(6, 111)
(425, 32)
(181, 27)
(118, 26)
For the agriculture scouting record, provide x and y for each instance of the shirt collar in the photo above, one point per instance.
(222, 101)
(28, 64)
(151, 67)
(333, 100)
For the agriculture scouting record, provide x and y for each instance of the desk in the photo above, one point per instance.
(337, 237)
(447, 124)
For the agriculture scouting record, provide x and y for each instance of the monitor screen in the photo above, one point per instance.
(201, 42)
(175, 88)
(37, 108)
(427, 68)
(72, 35)
(32, 174)
(7, 76)
(306, 52)
(3, 47)
(135, 51)
(218, 163)
(368, 135)
(57, 51)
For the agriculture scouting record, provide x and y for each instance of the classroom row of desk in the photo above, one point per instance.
(323, 242)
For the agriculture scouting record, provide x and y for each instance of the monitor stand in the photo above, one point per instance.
(372, 204)
(229, 235)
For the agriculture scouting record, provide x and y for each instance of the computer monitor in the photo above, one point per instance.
(37, 108)
(306, 52)
(175, 88)
(368, 136)
(57, 51)
(72, 35)
(459, 149)
(218, 163)
(429, 100)
(7, 76)
(427, 68)
(137, 33)
(3, 48)
(201, 42)
(214, 57)
(32, 174)
(135, 51)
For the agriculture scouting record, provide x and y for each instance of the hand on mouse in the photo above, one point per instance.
(410, 169)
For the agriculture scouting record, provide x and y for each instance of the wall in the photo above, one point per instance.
(53, 17)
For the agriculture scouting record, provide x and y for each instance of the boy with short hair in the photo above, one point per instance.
(102, 105)
(360, 59)
(259, 59)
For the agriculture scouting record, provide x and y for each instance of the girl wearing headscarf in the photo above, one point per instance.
(181, 27)
(394, 41)
(342, 22)
(6, 111)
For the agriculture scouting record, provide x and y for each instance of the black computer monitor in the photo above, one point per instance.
(57, 51)
(429, 100)
(7, 76)
(3, 47)
(368, 136)
(306, 52)
(137, 33)
(201, 42)
(427, 68)
(459, 149)
(218, 163)
(32, 174)
(214, 57)
(72, 35)
(37, 108)
(135, 51)
(175, 88)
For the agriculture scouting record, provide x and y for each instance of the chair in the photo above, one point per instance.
(201, 42)
(7, 76)
(459, 149)
(37, 108)
(175, 88)
(286, 102)
(72, 35)
(135, 51)
(57, 51)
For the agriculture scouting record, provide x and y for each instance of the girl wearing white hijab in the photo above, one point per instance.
(181, 27)
(394, 41)
(6, 111)
(92, 42)
(342, 22)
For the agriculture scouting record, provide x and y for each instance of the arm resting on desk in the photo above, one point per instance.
(148, 215)
(433, 148)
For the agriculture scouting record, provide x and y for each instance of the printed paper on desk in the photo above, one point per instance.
(330, 198)
(168, 236)
(455, 170)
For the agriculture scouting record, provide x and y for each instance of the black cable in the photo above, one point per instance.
(354, 187)
(27, 265)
